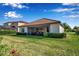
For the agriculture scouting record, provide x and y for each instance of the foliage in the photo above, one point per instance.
(76, 29)
(20, 33)
(46, 34)
(77, 32)
(7, 32)
(57, 35)
(67, 27)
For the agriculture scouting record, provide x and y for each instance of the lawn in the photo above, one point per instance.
(13, 45)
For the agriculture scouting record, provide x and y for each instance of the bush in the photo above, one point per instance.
(77, 32)
(57, 35)
(46, 34)
(7, 32)
(20, 33)
(51, 35)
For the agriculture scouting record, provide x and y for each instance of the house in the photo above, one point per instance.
(13, 24)
(41, 26)
(2, 28)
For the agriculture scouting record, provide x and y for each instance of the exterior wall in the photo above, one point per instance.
(12, 24)
(19, 24)
(61, 29)
(56, 28)
(25, 29)
(18, 30)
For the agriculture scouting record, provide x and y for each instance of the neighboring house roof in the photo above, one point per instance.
(41, 21)
(16, 22)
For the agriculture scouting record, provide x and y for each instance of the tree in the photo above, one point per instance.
(67, 27)
(76, 28)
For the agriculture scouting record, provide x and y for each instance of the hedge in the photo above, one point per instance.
(7, 32)
(51, 35)
(77, 32)
(18, 33)
(56, 35)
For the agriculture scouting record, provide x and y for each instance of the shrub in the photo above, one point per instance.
(20, 33)
(46, 34)
(77, 32)
(57, 35)
(7, 32)
(51, 35)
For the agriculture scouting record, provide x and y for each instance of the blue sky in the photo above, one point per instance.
(64, 12)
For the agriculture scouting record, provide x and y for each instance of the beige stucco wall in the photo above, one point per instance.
(19, 29)
(19, 24)
(14, 24)
(25, 29)
(61, 29)
(56, 28)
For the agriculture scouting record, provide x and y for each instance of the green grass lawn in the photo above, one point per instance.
(39, 46)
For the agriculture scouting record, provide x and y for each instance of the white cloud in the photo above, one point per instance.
(12, 14)
(77, 12)
(67, 3)
(72, 4)
(16, 5)
(72, 16)
(63, 9)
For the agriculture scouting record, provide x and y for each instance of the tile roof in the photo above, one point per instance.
(40, 22)
(17, 22)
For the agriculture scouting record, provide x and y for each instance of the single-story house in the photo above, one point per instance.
(41, 26)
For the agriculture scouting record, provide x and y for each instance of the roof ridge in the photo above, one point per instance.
(43, 19)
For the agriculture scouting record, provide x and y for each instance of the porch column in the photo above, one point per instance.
(26, 29)
(45, 31)
(18, 29)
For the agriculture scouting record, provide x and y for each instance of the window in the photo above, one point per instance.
(13, 27)
(9, 24)
(47, 29)
(22, 30)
